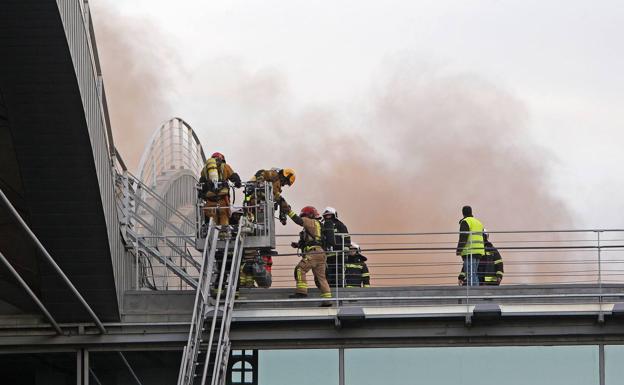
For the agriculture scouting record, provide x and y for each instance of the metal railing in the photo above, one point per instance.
(529, 257)
(158, 236)
(422, 269)
(259, 209)
(429, 260)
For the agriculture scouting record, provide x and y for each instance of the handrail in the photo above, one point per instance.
(159, 199)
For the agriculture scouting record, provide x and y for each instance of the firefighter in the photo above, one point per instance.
(337, 242)
(470, 245)
(256, 268)
(356, 270)
(278, 177)
(491, 266)
(313, 255)
(215, 190)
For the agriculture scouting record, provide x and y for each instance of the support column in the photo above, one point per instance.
(341, 366)
(601, 363)
(82, 367)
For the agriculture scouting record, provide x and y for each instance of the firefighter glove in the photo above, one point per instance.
(236, 180)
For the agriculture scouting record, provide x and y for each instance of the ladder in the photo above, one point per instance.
(205, 362)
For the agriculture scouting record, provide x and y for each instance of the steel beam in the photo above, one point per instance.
(51, 260)
(123, 358)
(32, 295)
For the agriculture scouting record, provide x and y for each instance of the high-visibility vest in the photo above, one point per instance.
(474, 244)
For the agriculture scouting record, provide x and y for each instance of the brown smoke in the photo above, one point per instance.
(422, 145)
(428, 145)
(135, 61)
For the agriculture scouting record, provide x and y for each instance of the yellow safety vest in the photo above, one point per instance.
(474, 244)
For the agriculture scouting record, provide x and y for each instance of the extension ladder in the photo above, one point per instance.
(204, 361)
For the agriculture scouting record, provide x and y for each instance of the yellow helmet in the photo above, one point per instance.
(289, 175)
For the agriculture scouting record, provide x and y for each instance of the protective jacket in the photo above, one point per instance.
(311, 237)
(470, 243)
(333, 229)
(273, 177)
(491, 265)
(221, 172)
(356, 271)
(310, 241)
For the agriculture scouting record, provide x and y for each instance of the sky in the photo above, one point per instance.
(526, 94)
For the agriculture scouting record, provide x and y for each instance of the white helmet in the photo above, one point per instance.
(330, 211)
(356, 247)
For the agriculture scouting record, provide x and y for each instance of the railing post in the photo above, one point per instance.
(600, 313)
(136, 263)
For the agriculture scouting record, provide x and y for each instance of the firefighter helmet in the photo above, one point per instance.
(309, 212)
(330, 211)
(289, 175)
(218, 156)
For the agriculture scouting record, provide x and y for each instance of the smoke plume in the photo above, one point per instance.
(422, 143)
(136, 61)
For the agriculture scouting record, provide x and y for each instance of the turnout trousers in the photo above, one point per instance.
(314, 259)
(219, 209)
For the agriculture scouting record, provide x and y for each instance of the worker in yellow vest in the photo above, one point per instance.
(470, 246)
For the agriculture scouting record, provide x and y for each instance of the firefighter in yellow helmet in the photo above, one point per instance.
(215, 190)
(470, 246)
(278, 177)
(313, 258)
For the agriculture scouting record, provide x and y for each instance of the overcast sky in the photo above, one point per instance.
(562, 60)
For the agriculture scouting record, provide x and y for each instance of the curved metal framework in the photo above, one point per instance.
(160, 205)
(173, 147)
(169, 166)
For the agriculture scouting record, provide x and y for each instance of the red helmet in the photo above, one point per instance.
(309, 212)
(218, 156)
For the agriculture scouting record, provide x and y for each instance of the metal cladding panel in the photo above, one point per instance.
(76, 21)
(56, 126)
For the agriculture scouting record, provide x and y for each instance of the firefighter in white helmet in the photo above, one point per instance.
(337, 242)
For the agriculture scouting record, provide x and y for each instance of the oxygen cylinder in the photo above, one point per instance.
(213, 172)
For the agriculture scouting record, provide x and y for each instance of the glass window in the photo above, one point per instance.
(614, 370)
(520, 365)
(300, 367)
(151, 367)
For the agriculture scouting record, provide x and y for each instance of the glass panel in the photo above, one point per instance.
(300, 367)
(614, 369)
(534, 365)
(151, 367)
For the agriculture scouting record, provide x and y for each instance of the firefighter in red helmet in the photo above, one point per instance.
(313, 255)
(215, 189)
